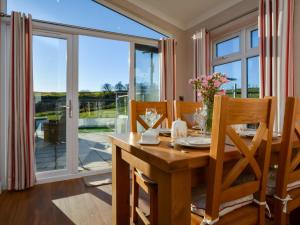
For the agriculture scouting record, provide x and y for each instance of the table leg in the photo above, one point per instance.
(174, 198)
(120, 189)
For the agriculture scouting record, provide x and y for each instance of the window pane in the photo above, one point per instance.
(253, 77)
(228, 47)
(83, 13)
(147, 80)
(233, 71)
(50, 85)
(254, 39)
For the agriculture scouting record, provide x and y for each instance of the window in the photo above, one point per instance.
(254, 39)
(83, 13)
(228, 47)
(232, 88)
(237, 56)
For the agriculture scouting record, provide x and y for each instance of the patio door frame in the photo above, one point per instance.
(72, 111)
(72, 37)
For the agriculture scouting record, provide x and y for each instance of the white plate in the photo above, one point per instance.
(247, 133)
(251, 133)
(165, 131)
(198, 142)
(196, 127)
(148, 143)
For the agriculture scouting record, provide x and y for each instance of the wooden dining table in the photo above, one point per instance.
(174, 170)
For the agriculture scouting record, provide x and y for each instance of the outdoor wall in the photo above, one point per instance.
(297, 47)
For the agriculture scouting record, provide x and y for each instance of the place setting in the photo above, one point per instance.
(246, 132)
(181, 137)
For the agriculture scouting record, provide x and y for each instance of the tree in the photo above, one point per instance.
(107, 87)
(126, 87)
(119, 86)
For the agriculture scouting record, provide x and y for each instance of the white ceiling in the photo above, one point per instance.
(184, 13)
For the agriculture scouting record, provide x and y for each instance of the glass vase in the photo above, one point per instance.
(209, 109)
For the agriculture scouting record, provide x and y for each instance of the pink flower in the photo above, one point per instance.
(222, 92)
(224, 80)
(199, 96)
(204, 83)
(191, 81)
(209, 77)
(217, 83)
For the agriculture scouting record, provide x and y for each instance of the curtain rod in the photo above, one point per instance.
(4, 15)
(238, 17)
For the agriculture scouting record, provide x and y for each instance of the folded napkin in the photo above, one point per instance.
(150, 135)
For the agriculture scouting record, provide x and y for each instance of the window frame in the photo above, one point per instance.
(4, 10)
(245, 52)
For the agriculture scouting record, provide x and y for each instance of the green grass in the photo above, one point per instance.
(102, 113)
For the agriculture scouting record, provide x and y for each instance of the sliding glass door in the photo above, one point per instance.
(52, 96)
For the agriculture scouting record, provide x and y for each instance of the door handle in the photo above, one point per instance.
(69, 107)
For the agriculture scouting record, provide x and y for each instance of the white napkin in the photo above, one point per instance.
(150, 135)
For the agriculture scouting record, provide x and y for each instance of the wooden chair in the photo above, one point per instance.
(137, 109)
(223, 186)
(138, 179)
(185, 111)
(287, 195)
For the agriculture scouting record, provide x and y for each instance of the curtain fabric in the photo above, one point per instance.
(276, 52)
(21, 173)
(1, 125)
(201, 53)
(167, 49)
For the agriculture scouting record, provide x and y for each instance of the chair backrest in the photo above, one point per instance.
(289, 160)
(138, 109)
(223, 185)
(186, 110)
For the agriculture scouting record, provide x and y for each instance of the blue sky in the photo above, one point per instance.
(100, 60)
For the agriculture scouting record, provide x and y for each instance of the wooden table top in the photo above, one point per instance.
(169, 159)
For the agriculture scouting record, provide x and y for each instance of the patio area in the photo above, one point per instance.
(94, 152)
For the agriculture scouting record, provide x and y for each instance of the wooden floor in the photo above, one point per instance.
(65, 203)
(61, 203)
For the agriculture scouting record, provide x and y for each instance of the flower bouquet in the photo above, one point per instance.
(207, 86)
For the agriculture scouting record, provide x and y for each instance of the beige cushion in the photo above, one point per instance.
(199, 203)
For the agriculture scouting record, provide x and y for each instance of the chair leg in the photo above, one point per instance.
(135, 197)
(261, 215)
(280, 218)
(153, 205)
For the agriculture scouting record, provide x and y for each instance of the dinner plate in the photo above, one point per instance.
(251, 133)
(165, 131)
(148, 143)
(196, 127)
(194, 142)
